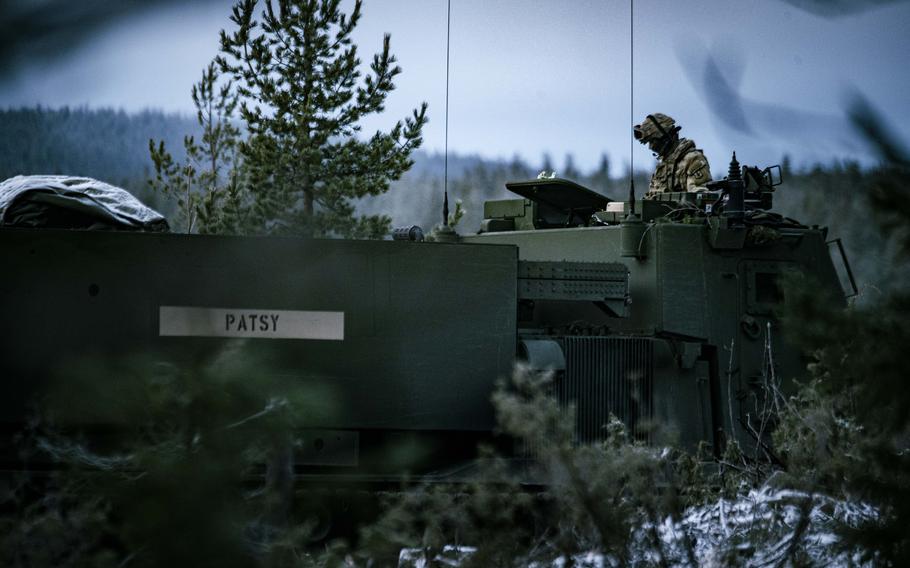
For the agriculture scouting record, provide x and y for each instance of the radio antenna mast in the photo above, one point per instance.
(631, 106)
(445, 201)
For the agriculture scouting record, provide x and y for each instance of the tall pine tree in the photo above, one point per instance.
(302, 99)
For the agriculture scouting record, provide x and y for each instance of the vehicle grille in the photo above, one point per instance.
(607, 375)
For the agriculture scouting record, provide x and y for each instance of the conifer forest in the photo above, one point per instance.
(199, 469)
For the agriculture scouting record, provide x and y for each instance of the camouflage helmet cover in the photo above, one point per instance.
(654, 127)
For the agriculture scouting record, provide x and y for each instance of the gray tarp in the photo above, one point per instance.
(66, 202)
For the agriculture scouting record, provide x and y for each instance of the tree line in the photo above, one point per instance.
(112, 145)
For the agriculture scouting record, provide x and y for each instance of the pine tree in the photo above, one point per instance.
(302, 99)
(547, 165)
(518, 169)
(569, 171)
(600, 178)
(205, 186)
(786, 165)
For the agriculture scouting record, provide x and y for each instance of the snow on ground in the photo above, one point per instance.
(450, 556)
(757, 529)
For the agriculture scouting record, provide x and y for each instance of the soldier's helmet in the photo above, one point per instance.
(654, 127)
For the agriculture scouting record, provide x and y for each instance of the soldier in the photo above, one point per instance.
(680, 165)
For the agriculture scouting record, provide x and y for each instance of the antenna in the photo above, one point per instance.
(445, 201)
(632, 230)
(631, 106)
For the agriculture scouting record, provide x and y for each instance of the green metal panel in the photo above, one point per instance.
(681, 279)
(505, 208)
(428, 328)
(520, 213)
(588, 245)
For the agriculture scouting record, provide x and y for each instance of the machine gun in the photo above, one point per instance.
(746, 188)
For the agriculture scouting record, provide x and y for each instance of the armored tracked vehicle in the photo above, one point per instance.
(661, 312)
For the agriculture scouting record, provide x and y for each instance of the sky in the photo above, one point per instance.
(528, 77)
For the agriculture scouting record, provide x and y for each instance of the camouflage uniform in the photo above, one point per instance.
(680, 165)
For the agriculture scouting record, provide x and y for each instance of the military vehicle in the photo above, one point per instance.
(659, 311)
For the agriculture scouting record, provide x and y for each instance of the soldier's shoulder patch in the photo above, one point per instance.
(695, 164)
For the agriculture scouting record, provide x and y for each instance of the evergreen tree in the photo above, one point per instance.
(569, 171)
(205, 185)
(600, 178)
(302, 98)
(547, 164)
(518, 169)
(603, 168)
(786, 165)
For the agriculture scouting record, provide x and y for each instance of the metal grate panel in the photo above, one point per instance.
(607, 375)
(587, 281)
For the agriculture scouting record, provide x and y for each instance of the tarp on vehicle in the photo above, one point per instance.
(67, 202)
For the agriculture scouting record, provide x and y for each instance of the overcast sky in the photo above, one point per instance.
(535, 76)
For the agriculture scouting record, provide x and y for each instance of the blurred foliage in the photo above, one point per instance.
(33, 30)
(586, 497)
(158, 464)
(52, 521)
(848, 432)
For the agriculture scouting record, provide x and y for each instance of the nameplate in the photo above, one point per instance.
(182, 321)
